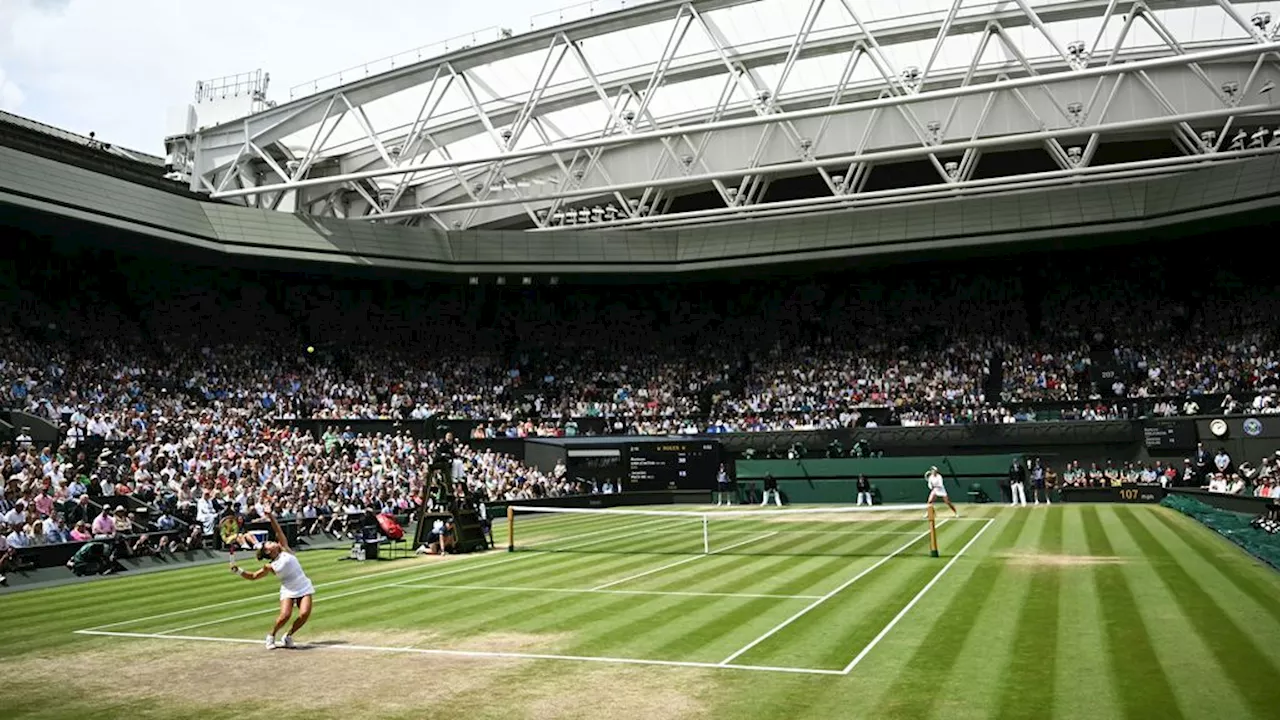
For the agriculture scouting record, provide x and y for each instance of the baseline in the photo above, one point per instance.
(471, 653)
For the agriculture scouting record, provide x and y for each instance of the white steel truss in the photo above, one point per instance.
(594, 138)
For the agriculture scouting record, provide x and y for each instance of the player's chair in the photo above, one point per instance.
(977, 494)
(394, 538)
(395, 547)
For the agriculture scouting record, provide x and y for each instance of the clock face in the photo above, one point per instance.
(1218, 427)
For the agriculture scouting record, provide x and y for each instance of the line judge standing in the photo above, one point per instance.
(1018, 483)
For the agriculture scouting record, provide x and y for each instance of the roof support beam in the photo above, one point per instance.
(817, 112)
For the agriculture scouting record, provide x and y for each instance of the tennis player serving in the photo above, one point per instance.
(295, 587)
(937, 489)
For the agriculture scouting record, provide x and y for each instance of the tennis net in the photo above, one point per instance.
(849, 531)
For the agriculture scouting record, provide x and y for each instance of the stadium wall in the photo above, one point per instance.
(896, 480)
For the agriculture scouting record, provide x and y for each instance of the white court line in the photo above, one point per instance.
(491, 588)
(876, 640)
(754, 537)
(474, 653)
(827, 597)
(344, 581)
(821, 532)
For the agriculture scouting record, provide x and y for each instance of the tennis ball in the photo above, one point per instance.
(311, 348)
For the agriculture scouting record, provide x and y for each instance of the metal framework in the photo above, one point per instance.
(610, 121)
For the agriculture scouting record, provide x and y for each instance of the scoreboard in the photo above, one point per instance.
(672, 465)
(1171, 436)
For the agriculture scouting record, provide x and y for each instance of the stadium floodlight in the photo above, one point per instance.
(597, 213)
(1075, 49)
(1275, 138)
(1230, 88)
(806, 144)
(1209, 138)
(557, 218)
(763, 97)
(502, 280)
(629, 116)
(1267, 87)
(686, 160)
(457, 224)
(611, 212)
(952, 167)
(1237, 142)
(526, 280)
(584, 216)
(1259, 137)
(554, 280)
(506, 135)
(473, 280)
(911, 73)
(1075, 153)
(838, 181)
(1261, 20)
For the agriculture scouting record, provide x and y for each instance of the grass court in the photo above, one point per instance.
(1083, 611)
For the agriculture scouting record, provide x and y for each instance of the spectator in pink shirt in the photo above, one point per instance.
(80, 533)
(103, 525)
(44, 504)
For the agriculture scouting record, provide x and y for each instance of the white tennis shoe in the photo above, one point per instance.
(271, 642)
(288, 641)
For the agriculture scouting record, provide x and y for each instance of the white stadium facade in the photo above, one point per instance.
(677, 136)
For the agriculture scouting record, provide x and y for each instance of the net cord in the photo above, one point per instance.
(552, 510)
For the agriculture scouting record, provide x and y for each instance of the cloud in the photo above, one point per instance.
(11, 96)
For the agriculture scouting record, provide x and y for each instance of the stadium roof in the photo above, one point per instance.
(88, 142)
(622, 52)
(498, 125)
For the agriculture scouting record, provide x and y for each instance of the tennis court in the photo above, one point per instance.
(1094, 610)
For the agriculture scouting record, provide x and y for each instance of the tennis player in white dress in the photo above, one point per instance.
(296, 590)
(938, 489)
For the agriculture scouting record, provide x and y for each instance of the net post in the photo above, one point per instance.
(706, 542)
(511, 529)
(933, 532)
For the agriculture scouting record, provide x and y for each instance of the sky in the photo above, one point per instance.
(118, 67)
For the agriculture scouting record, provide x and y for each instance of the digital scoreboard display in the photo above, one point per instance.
(673, 465)
(1169, 435)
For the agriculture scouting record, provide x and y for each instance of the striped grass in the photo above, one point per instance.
(1092, 611)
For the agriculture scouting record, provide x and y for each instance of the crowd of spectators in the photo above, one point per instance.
(1214, 470)
(103, 345)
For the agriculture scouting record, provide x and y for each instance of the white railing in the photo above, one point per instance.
(572, 13)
